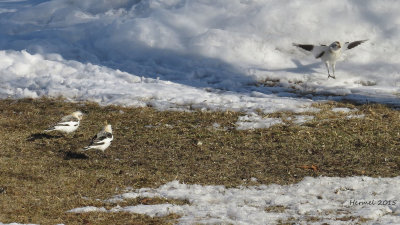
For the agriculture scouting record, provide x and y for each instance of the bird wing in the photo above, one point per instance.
(69, 118)
(317, 50)
(350, 45)
(68, 123)
(65, 121)
(99, 138)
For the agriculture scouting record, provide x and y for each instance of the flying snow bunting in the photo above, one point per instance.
(101, 140)
(329, 54)
(68, 123)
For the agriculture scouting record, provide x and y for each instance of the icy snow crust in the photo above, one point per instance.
(26, 75)
(332, 200)
(179, 54)
(213, 55)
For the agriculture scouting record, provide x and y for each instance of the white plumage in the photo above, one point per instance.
(101, 140)
(329, 54)
(68, 123)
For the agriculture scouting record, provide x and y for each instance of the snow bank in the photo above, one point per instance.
(25, 75)
(217, 45)
(330, 200)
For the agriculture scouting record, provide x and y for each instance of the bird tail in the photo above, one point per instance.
(85, 148)
(49, 129)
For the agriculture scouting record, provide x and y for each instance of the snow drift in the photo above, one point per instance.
(226, 45)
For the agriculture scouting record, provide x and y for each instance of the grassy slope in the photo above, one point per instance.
(41, 177)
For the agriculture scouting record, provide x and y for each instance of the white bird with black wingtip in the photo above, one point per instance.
(67, 123)
(101, 140)
(329, 54)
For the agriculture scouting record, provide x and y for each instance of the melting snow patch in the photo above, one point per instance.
(349, 112)
(254, 121)
(300, 119)
(87, 209)
(324, 198)
(343, 110)
(151, 210)
(362, 116)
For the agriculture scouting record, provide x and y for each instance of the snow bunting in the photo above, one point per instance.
(329, 54)
(101, 140)
(68, 123)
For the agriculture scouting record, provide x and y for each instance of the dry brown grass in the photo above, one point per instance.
(43, 176)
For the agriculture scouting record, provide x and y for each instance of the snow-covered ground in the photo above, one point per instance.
(198, 53)
(208, 55)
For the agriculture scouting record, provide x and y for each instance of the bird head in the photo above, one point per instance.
(78, 115)
(107, 127)
(335, 46)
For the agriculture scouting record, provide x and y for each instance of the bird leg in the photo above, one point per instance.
(333, 68)
(327, 68)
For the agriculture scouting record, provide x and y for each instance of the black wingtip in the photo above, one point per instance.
(304, 46)
(355, 43)
(320, 54)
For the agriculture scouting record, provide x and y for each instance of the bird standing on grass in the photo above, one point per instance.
(68, 123)
(329, 54)
(102, 139)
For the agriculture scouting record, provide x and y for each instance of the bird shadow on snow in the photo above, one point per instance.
(367, 77)
(300, 68)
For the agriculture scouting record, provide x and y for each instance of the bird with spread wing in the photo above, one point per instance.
(329, 54)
